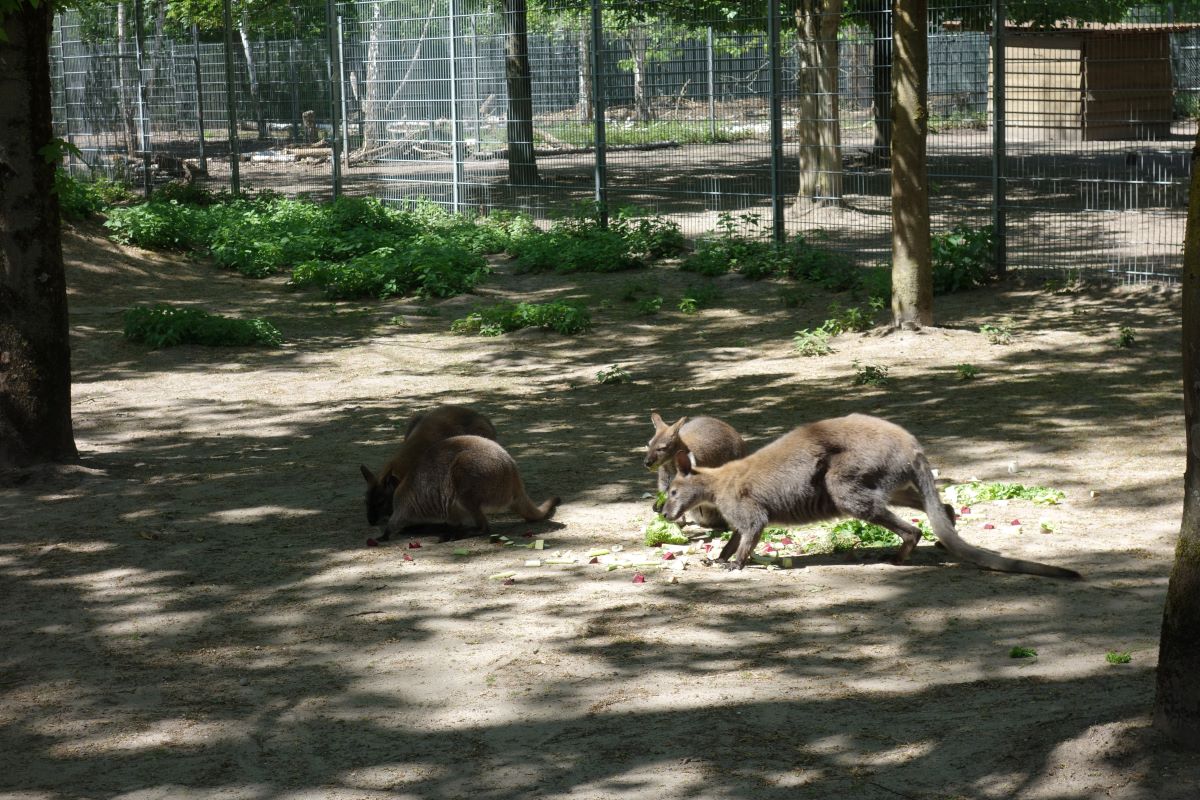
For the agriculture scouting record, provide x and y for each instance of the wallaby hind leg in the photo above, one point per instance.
(908, 533)
(909, 497)
(745, 549)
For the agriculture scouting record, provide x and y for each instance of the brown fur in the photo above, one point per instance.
(711, 443)
(458, 481)
(850, 466)
(423, 431)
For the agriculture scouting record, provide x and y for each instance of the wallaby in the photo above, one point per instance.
(424, 430)
(710, 441)
(851, 466)
(458, 481)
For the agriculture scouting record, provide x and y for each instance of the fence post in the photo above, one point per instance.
(335, 92)
(139, 54)
(710, 63)
(455, 133)
(235, 154)
(294, 86)
(601, 163)
(199, 99)
(776, 109)
(999, 144)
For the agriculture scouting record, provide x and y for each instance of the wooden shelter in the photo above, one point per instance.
(1090, 82)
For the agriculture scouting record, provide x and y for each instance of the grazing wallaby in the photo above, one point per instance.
(850, 466)
(710, 441)
(458, 481)
(424, 430)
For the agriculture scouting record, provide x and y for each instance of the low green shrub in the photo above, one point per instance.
(963, 258)
(79, 198)
(425, 267)
(164, 325)
(557, 316)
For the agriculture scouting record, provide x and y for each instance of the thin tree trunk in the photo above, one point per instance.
(1177, 699)
(374, 130)
(128, 125)
(641, 97)
(35, 354)
(880, 17)
(912, 271)
(818, 128)
(587, 104)
(522, 165)
(255, 95)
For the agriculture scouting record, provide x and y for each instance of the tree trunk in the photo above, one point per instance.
(912, 270)
(641, 96)
(255, 95)
(1177, 700)
(128, 124)
(880, 18)
(374, 129)
(35, 354)
(522, 165)
(818, 128)
(587, 104)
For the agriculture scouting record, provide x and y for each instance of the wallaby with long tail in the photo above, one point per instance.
(711, 443)
(424, 430)
(459, 481)
(853, 466)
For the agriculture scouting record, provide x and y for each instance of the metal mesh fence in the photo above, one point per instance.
(480, 105)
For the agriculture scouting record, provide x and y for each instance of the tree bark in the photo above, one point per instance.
(818, 128)
(255, 93)
(35, 355)
(1177, 699)
(128, 126)
(587, 105)
(643, 112)
(522, 164)
(880, 18)
(912, 269)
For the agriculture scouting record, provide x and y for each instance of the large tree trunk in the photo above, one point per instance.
(255, 93)
(818, 129)
(128, 125)
(879, 14)
(35, 355)
(522, 165)
(1177, 700)
(912, 270)
(641, 95)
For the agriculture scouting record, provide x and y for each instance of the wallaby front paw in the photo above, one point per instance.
(732, 565)
(658, 506)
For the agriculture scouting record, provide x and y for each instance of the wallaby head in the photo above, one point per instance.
(688, 490)
(379, 495)
(663, 445)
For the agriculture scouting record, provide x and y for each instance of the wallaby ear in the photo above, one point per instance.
(657, 421)
(683, 461)
(366, 473)
(391, 482)
(675, 428)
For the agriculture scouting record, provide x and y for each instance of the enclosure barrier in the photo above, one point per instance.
(1072, 143)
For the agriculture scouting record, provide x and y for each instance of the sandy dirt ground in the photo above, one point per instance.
(193, 612)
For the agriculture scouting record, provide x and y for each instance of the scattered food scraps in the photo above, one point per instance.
(372, 543)
(413, 545)
(639, 577)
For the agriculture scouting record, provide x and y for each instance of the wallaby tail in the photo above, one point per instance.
(943, 526)
(530, 512)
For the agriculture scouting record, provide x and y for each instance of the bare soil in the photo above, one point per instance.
(192, 612)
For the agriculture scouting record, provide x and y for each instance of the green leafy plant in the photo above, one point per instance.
(649, 306)
(963, 258)
(869, 374)
(565, 318)
(966, 372)
(613, 374)
(79, 199)
(1022, 652)
(1118, 657)
(164, 325)
(661, 531)
(812, 342)
(1001, 333)
(978, 491)
(792, 296)
(581, 243)
(1125, 337)
(697, 297)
